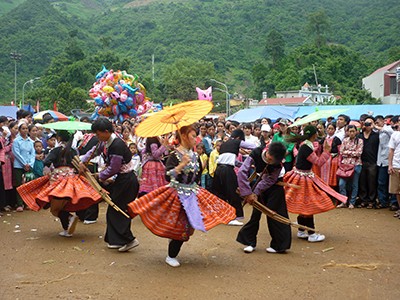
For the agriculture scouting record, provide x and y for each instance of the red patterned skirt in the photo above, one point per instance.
(328, 171)
(153, 176)
(62, 183)
(312, 197)
(163, 214)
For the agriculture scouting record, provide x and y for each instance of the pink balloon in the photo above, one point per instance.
(204, 94)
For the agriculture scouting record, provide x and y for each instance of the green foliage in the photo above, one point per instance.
(357, 96)
(181, 78)
(68, 41)
(76, 99)
(275, 47)
(318, 24)
(336, 66)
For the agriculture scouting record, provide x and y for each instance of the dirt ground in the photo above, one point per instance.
(38, 264)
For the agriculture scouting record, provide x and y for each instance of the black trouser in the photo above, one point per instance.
(174, 247)
(288, 166)
(64, 219)
(367, 187)
(11, 197)
(89, 214)
(306, 221)
(18, 173)
(2, 191)
(273, 198)
(123, 191)
(224, 186)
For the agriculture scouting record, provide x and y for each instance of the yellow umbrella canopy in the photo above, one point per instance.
(173, 118)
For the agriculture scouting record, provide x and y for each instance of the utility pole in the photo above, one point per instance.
(16, 57)
(152, 67)
(315, 75)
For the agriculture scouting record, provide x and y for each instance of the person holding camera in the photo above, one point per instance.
(368, 178)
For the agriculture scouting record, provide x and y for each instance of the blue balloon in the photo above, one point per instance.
(129, 89)
(94, 115)
(98, 101)
(122, 107)
(132, 113)
(101, 73)
(129, 102)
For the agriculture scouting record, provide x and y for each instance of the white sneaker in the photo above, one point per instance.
(113, 246)
(271, 250)
(73, 220)
(235, 223)
(173, 262)
(302, 234)
(129, 246)
(65, 233)
(316, 237)
(341, 205)
(88, 222)
(249, 249)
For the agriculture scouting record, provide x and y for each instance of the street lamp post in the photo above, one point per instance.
(16, 57)
(226, 99)
(226, 93)
(23, 88)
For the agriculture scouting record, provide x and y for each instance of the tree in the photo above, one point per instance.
(275, 47)
(358, 96)
(182, 77)
(318, 24)
(76, 99)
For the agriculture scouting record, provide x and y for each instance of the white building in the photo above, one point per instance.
(314, 95)
(383, 84)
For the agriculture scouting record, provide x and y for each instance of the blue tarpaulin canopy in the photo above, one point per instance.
(272, 112)
(291, 112)
(355, 111)
(8, 111)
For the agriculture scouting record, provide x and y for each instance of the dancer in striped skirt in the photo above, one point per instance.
(174, 211)
(314, 195)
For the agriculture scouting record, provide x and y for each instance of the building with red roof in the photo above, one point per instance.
(384, 83)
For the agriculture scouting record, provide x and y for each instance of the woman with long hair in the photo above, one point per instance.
(24, 158)
(329, 168)
(313, 197)
(7, 167)
(350, 153)
(33, 132)
(153, 169)
(63, 190)
(175, 210)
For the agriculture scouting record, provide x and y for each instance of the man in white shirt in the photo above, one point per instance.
(394, 164)
(247, 129)
(341, 123)
(385, 132)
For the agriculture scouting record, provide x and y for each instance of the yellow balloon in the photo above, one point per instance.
(108, 89)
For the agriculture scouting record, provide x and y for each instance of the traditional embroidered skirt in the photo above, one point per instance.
(328, 171)
(163, 213)
(312, 197)
(153, 176)
(62, 183)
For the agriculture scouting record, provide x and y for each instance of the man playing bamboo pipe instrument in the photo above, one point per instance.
(269, 163)
(123, 189)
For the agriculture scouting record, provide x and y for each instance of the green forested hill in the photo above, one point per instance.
(230, 34)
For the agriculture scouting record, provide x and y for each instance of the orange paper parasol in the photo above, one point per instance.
(173, 118)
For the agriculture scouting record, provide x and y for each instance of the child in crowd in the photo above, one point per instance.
(38, 165)
(212, 162)
(136, 159)
(201, 151)
(51, 143)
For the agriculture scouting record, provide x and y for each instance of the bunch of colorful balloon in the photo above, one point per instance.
(119, 95)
